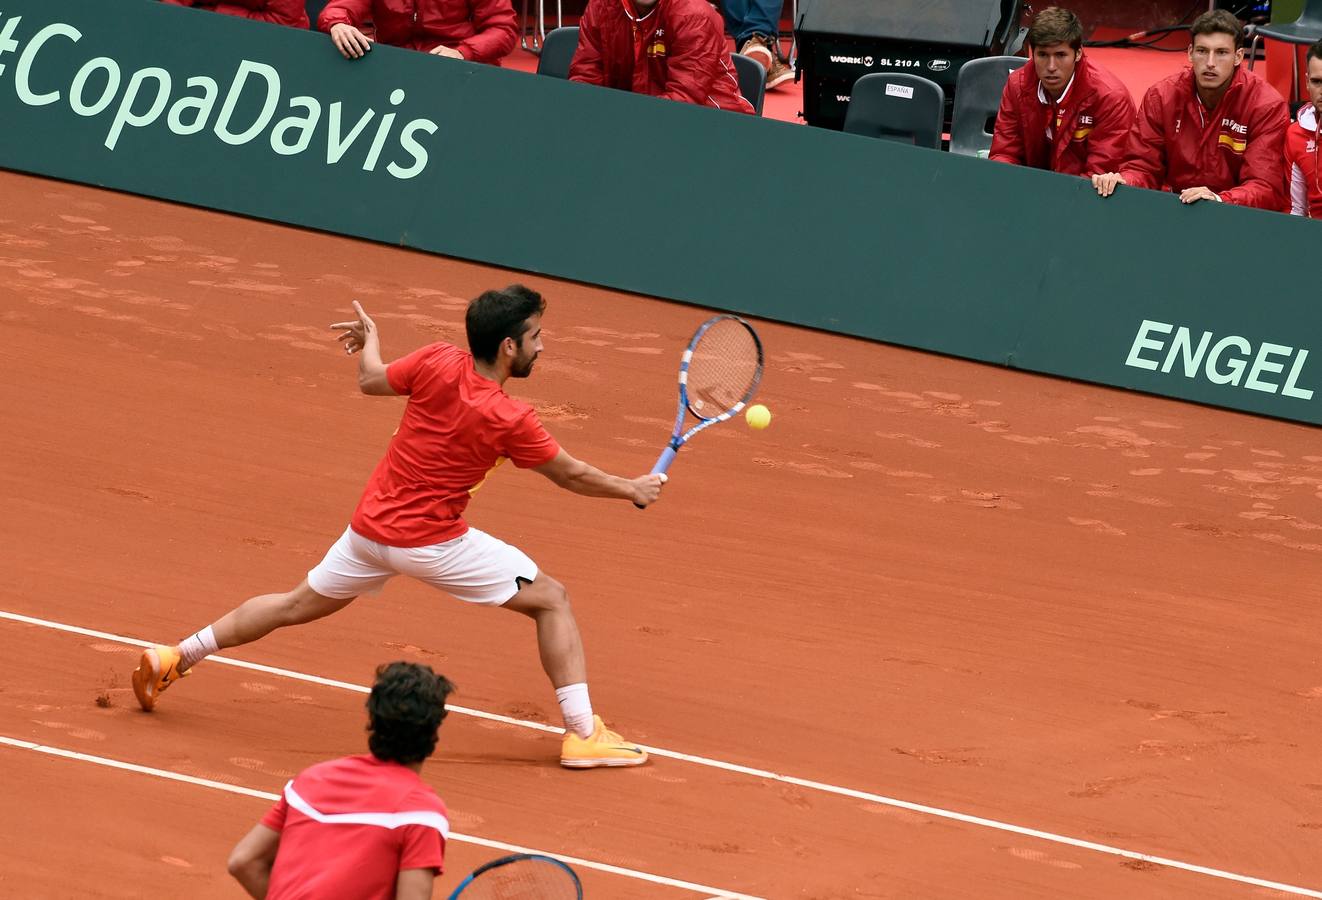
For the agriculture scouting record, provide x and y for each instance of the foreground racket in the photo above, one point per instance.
(523, 876)
(718, 375)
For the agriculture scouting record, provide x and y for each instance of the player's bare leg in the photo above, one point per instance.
(259, 616)
(559, 643)
(161, 666)
(588, 743)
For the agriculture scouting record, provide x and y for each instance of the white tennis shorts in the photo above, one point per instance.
(475, 567)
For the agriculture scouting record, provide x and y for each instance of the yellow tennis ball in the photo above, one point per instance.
(757, 416)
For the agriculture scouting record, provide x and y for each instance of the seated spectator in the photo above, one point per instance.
(1213, 132)
(755, 26)
(666, 48)
(482, 31)
(1064, 113)
(359, 826)
(280, 12)
(1301, 145)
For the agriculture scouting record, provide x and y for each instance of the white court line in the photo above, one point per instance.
(713, 893)
(867, 796)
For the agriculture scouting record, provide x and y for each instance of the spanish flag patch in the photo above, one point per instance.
(656, 48)
(1234, 143)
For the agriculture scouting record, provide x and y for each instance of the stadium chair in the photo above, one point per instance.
(752, 80)
(314, 8)
(896, 106)
(1307, 29)
(539, 33)
(978, 89)
(558, 49)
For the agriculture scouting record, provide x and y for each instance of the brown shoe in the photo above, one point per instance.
(759, 47)
(778, 74)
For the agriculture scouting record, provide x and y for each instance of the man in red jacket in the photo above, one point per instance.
(482, 31)
(1212, 132)
(1064, 113)
(279, 12)
(666, 48)
(1301, 145)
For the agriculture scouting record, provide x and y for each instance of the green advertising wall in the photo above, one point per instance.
(962, 256)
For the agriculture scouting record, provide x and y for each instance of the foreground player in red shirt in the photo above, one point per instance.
(366, 827)
(1212, 132)
(458, 426)
(674, 49)
(1301, 145)
(1064, 113)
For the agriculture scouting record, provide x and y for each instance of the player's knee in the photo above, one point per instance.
(546, 594)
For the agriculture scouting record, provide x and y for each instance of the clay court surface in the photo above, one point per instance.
(1043, 604)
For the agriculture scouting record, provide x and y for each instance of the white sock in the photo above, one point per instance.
(196, 648)
(576, 708)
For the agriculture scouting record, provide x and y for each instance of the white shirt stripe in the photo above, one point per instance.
(428, 818)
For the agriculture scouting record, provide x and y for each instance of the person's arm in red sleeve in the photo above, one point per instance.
(178, 2)
(1262, 181)
(1110, 134)
(344, 12)
(1145, 147)
(497, 32)
(1007, 138)
(587, 66)
(693, 60)
(278, 12)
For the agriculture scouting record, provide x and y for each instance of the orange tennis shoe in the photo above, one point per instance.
(604, 748)
(157, 670)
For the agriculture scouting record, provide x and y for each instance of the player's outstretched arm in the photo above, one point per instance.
(361, 337)
(577, 476)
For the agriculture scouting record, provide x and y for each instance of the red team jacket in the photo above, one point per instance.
(676, 51)
(1301, 155)
(1084, 134)
(1236, 150)
(484, 31)
(281, 12)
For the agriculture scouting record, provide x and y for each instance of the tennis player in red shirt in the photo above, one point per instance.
(458, 425)
(366, 827)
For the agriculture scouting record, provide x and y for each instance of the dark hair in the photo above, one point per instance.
(1314, 52)
(496, 315)
(404, 711)
(1055, 25)
(1218, 21)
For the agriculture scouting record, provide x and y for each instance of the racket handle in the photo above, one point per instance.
(664, 460)
(662, 463)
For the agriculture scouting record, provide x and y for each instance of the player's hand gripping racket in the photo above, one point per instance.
(523, 875)
(718, 374)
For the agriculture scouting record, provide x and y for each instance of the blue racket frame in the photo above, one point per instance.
(513, 858)
(678, 436)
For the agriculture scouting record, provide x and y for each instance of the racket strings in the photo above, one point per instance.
(724, 368)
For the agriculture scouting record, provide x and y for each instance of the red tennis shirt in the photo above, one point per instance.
(348, 827)
(457, 427)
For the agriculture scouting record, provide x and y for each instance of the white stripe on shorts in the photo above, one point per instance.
(474, 567)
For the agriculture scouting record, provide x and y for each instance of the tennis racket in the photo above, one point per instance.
(718, 374)
(522, 876)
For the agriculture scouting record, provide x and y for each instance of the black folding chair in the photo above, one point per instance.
(752, 80)
(1307, 29)
(978, 89)
(558, 52)
(896, 106)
